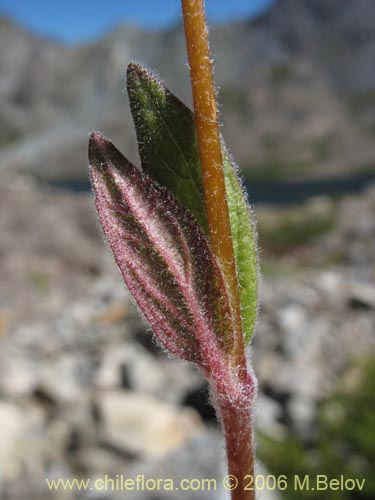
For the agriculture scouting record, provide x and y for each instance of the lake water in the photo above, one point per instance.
(276, 192)
(294, 192)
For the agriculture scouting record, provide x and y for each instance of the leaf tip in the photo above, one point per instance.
(135, 72)
(99, 148)
(96, 140)
(133, 68)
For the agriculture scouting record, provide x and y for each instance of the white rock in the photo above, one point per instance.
(144, 425)
(12, 430)
(267, 413)
(202, 457)
(363, 294)
(293, 322)
(18, 376)
(61, 377)
(145, 372)
(167, 379)
(302, 410)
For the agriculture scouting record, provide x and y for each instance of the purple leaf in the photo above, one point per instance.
(165, 259)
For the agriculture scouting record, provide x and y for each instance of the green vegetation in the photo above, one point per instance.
(8, 133)
(272, 168)
(236, 99)
(39, 281)
(362, 101)
(290, 228)
(322, 147)
(366, 169)
(159, 117)
(280, 73)
(344, 443)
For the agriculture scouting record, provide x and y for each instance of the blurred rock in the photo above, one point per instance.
(18, 376)
(267, 415)
(302, 413)
(143, 425)
(201, 457)
(13, 425)
(362, 296)
(85, 391)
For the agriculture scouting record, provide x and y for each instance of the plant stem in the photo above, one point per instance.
(237, 426)
(236, 420)
(209, 145)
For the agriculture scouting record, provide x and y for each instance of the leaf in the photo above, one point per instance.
(243, 229)
(165, 128)
(169, 154)
(164, 257)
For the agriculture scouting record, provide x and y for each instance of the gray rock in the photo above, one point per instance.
(13, 427)
(201, 457)
(267, 414)
(143, 425)
(362, 296)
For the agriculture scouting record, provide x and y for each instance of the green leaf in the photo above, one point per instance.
(243, 228)
(166, 137)
(168, 150)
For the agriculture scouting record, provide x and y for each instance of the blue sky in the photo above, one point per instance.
(75, 21)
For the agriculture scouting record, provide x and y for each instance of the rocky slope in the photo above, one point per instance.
(297, 87)
(85, 392)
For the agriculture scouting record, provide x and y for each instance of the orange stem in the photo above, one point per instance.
(236, 422)
(209, 145)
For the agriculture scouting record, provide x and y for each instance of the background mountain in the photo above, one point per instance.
(297, 88)
(79, 372)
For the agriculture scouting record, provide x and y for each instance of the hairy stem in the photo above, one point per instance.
(237, 426)
(209, 145)
(236, 421)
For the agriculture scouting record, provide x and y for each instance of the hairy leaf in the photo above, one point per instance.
(164, 257)
(169, 154)
(165, 127)
(244, 235)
